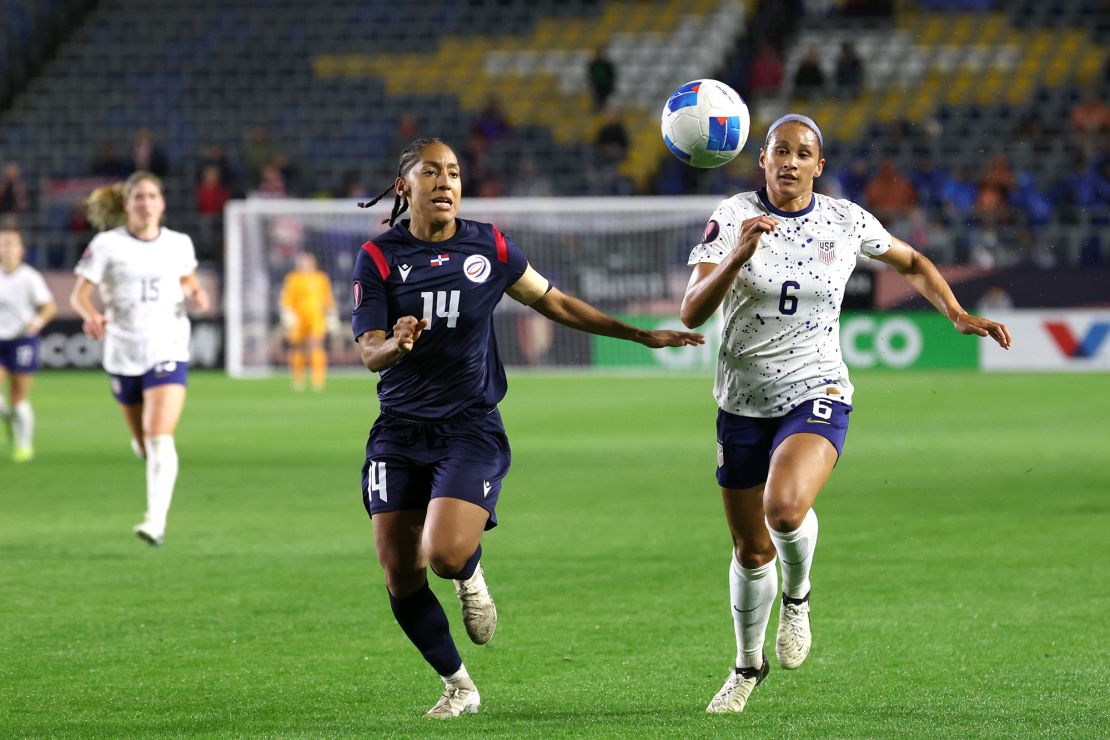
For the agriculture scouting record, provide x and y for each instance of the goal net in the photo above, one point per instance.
(626, 256)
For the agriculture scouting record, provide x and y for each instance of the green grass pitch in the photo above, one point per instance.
(960, 585)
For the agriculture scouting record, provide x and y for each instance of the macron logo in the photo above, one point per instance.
(404, 270)
(1076, 348)
(485, 488)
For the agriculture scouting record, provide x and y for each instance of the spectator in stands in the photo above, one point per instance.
(809, 79)
(602, 74)
(998, 174)
(211, 193)
(108, 164)
(995, 299)
(853, 178)
(146, 156)
(477, 172)
(214, 156)
(849, 70)
(958, 196)
(1085, 187)
(940, 243)
(530, 183)
(991, 206)
(351, 186)
(491, 122)
(1090, 119)
(765, 76)
(928, 180)
(611, 145)
(14, 196)
(612, 137)
(1028, 199)
(406, 132)
(889, 193)
(271, 183)
(912, 226)
(260, 154)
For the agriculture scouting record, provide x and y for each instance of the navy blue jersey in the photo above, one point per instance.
(453, 369)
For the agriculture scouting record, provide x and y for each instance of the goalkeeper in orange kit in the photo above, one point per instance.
(308, 315)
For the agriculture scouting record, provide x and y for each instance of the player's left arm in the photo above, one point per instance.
(195, 292)
(924, 276)
(535, 291)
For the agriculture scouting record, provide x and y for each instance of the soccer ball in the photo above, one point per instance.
(705, 123)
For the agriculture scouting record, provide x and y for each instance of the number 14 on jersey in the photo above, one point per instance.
(446, 306)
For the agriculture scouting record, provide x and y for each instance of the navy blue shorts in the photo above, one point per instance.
(745, 444)
(20, 355)
(128, 389)
(408, 463)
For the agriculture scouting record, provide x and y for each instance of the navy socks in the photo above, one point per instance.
(422, 618)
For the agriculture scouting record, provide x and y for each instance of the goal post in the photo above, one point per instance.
(624, 255)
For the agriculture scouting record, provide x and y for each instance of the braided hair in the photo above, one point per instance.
(410, 155)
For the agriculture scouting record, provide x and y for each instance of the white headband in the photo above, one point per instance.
(800, 119)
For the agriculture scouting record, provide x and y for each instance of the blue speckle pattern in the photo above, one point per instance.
(770, 362)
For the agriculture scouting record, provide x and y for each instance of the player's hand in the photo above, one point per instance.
(751, 230)
(34, 326)
(406, 331)
(668, 338)
(968, 324)
(94, 327)
(200, 299)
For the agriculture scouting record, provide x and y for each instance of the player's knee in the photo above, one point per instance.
(400, 577)
(784, 515)
(753, 555)
(445, 561)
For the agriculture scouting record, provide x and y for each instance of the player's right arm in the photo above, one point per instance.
(710, 282)
(379, 353)
(81, 301)
(90, 272)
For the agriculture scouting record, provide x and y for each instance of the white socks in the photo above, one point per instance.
(459, 676)
(752, 592)
(796, 553)
(23, 424)
(161, 475)
(5, 410)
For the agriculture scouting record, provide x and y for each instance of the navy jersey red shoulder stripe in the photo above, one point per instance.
(379, 259)
(502, 249)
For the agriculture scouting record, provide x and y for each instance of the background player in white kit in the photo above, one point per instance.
(26, 306)
(144, 272)
(778, 260)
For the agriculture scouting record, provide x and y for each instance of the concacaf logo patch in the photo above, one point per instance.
(712, 229)
(356, 294)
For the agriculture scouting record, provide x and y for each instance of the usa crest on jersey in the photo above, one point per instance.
(826, 251)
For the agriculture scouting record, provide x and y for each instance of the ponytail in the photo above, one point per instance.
(106, 204)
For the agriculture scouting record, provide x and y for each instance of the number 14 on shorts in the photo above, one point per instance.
(378, 481)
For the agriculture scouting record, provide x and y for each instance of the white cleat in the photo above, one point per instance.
(794, 637)
(147, 534)
(733, 696)
(458, 698)
(478, 611)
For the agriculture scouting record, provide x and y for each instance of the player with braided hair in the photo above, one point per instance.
(424, 294)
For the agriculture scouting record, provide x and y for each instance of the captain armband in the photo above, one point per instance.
(531, 287)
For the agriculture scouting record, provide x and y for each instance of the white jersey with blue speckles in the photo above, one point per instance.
(781, 340)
